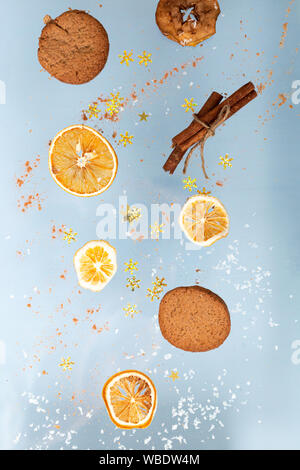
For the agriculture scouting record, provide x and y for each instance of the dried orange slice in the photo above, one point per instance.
(95, 264)
(204, 220)
(82, 161)
(130, 398)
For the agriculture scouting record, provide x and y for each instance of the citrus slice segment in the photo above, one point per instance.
(131, 399)
(204, 220)
(82, 161)
(95, 264)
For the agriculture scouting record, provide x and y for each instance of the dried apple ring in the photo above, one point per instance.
(187, 22)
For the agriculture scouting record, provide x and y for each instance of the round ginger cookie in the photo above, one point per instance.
(187, 22)
(74, 47)
(194, 319)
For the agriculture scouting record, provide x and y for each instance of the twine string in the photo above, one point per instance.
(211, 130)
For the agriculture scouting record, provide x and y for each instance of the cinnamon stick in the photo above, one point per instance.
(177, 154)
(233, 109)
(195, 126)
(214, 99)
(174, 160)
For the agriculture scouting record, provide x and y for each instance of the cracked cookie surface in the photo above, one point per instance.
(73, 47)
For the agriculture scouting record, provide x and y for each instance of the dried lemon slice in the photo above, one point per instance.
(95, 264)
(82, 161)
(131, 399)
(204, 220)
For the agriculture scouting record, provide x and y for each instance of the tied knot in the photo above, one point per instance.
(209, 128)
(210, 132)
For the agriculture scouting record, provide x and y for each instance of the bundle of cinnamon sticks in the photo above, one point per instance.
(206, 118)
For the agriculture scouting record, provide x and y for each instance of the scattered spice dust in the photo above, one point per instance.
(63, 275)
(29, 166)
(283, 36)
(33, 200)
(99, 330)
(151, 86)
(261, 86)
(282, 99)
(57, 232)
(285, 25)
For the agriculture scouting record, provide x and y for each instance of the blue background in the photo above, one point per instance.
(244, 395)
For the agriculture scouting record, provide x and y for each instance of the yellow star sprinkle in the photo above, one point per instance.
(114, 104)
(174, 375)
(132, 214)
(70, 236)
(145, 59)
(93, 111)
(144, 117)
(131, 311)
(125, 139)
(226, 161)
(157, 289)
(126, 57)
(133, 283)
(189, 105)
(156, 229)
(190, 184)
(131, 266)
(66, 364)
